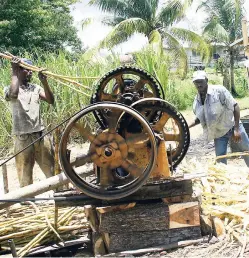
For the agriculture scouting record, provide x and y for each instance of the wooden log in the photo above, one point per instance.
(136, 240)
(35, 189)
(139, 218)
(184, 215)
(151, 191)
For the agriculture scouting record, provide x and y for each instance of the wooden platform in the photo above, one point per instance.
(136, 226)
(170, 190)
(158, 214)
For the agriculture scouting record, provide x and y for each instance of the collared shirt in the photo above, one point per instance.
(217, 113)
(26, 109)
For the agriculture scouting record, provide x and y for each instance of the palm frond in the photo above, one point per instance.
(223, 15)
(126, 8)
(85, 22)
(112, 20)
(215, 31)
(116, 7)
(193, 39)
(155, 40)
(176, 50)
(124, 30)
(173, 11)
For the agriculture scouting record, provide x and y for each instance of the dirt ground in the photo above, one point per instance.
(198, 148)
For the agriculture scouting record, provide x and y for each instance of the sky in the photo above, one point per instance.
(96, 31)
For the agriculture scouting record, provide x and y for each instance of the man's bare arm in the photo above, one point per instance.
(15, 82)
(48, 95)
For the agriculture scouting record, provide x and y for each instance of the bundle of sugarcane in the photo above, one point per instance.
(59, 78)
(31, 225)
(225, 195)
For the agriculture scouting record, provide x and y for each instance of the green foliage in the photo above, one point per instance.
(223, 25)
(241, 82)
(45, 25)
(145, 17)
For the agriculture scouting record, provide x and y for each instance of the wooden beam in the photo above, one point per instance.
(150, 191)
(184, 215)
(144, 217)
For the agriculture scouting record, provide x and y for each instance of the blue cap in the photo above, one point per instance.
(27, 61)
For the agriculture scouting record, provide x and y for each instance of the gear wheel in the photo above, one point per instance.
(169, 123)
(125, 85)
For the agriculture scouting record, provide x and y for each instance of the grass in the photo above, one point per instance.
(68, 101)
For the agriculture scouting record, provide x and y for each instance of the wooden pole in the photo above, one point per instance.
(56, 172)
(37, 188)
(5, 184)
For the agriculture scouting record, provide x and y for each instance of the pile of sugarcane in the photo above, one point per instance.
(31, 225)
(225, 195)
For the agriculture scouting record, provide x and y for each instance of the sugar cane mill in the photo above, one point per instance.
(131, 141)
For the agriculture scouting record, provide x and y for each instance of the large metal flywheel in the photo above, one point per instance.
(106, 152)
(110, 148)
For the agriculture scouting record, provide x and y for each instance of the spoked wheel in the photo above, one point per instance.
(168, 124)
(106, 152)
(125, 85)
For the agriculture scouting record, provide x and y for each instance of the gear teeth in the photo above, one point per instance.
(126, 69)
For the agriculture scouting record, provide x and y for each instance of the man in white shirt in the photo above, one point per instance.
(24, 98)
(219, 114)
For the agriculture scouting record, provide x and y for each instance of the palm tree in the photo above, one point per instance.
(223, 25)
(145, 17)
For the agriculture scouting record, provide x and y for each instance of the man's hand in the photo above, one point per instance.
(236, 135)
(42, 77)
(15, 64)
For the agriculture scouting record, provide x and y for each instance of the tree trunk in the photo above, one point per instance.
(233, 90)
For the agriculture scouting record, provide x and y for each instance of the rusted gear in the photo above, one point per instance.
(125, 85)
(108, 152)
(168, 124)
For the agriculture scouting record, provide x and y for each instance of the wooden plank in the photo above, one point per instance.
(184, 215)
(144, 217)
(92, 218)
(115, 208)
(168, 188)
(135, 240)
(177, 199)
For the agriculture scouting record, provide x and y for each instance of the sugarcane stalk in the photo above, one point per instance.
(47, 73)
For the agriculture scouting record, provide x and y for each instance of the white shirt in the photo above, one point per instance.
(217, 113)
(26, 114)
